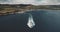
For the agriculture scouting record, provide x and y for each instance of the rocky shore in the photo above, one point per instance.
(21, 8)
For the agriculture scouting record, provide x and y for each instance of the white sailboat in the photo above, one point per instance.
(31, 22)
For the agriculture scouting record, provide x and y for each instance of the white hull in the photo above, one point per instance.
(31, 22)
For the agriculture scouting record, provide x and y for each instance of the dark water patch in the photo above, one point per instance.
(46, 21)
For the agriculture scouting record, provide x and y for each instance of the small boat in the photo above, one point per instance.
(31, 22)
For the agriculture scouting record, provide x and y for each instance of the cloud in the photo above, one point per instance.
(34, 2)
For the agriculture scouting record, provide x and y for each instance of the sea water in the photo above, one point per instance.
(45, 21)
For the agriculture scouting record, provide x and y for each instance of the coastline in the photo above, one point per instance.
(22, 8)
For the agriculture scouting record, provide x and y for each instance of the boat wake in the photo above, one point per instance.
(31, 22)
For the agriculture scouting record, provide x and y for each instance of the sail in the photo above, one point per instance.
(31, 22)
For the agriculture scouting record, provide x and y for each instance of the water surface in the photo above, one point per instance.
(46, 21)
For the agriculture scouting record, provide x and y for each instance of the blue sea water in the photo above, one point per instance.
(46, 21)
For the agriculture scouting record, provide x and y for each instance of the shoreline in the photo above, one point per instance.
(22, 8)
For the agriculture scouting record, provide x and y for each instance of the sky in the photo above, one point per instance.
(34, 2)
